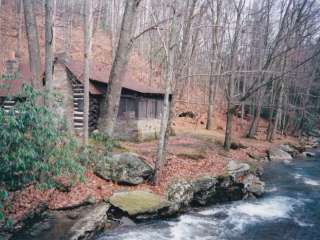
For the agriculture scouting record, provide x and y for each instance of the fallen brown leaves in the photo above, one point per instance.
(208, 143)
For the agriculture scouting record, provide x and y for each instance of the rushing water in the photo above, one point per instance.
(290, 210)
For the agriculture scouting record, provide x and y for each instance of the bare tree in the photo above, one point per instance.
(19, 33)
(231, 108)
(169, 50)
(49, 39)
(33, 43)
(88, 24)
(68, 22)
(213, 79)
(109, 110)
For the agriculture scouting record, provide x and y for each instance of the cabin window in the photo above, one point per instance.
(143, 108)
(127, 108)
(150, 108)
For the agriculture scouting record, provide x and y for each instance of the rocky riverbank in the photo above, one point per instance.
(129, 205)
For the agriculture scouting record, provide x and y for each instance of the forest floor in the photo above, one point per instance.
(192, 152)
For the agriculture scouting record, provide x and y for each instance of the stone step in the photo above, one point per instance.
(6, 107)
(78, 91)
(8, 110)
(78, 121)
(78, 118)
(78, 112)
(9, 102)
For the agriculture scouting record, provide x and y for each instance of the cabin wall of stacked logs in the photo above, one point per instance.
(133, 106)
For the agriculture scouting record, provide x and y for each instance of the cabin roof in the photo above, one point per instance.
(99, 73)
(99, 76)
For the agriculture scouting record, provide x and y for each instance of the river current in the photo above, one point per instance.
(290, 210)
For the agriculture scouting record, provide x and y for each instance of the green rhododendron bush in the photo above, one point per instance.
(35, 144)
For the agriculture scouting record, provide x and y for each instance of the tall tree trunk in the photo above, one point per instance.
(110, 112)
(231, 79)
(86, 75)
(274, 114)
(209, 125)
(68, 19)
(300, 127)
(230, 112)
(99, 16)
(256, 116)
(279, 109)
(19, 33)
(49, 39)
(113, 28)
(271, 108)
(33, 44)
(214, 49)
(163, 137)
(180, 62)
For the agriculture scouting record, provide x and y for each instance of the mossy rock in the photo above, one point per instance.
(138, 203)
(125, 168)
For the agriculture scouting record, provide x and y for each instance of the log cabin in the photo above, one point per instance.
(140, 109)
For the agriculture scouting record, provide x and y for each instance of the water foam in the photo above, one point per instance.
(191, 227)
(246, 213)
(269, 209)
(311, 182)
(302, 224)
(306, 180)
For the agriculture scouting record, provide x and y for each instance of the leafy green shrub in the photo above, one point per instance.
(3, 198)
(104, 140)
(35, 145)
(100, 145)
(89, 156)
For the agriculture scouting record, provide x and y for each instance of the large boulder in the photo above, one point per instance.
(212, 190)
(253, 185)
(124, 168)
(139, 204)
(88, 225)
(180, 194)
(289, 149)
(277, 154)
(204, 189)
(237, 170)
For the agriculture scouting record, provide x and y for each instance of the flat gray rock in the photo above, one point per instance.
(236, 169)
(137, 203)
(277, 154)
(94, 220)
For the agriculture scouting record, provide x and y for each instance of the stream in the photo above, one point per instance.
(290, 210)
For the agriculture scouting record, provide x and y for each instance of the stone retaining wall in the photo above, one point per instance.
(137, 130)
